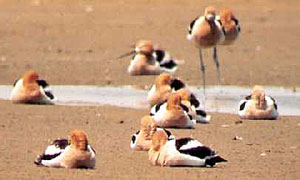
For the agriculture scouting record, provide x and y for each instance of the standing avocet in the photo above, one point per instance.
(206, 32)
(210, 30)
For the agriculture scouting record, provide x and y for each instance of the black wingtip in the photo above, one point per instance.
(214, 160)
(38, 160)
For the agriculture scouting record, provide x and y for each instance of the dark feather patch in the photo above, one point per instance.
(168, 132)
(15, 82)
(213, 160)
(237, 23)
(133, 138)
(201, 113)
(242, 106)
(42, 83)
(169, 65)
(182, 141)
(157, 107)
(194, 101)
(274, 101)
(275, 106)
(61, 143)
(192, 25)
(223, 29)
(248, 97)
(49, 94)
(49, 156)
(160, 54)
(177, 84)
(200, 152)
(186, 109)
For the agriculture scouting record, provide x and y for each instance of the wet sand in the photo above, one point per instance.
(26, 129)
(77, 42)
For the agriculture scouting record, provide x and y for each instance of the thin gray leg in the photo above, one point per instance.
(202, 70)
(217, 64)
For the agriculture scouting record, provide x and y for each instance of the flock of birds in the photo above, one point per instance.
(173, 104)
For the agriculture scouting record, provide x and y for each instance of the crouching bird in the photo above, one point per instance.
(181, 152)
(32, 90)
(141, 140)
(258, 106)
(76, 154)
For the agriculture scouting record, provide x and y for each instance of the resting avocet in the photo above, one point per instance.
(173, 113)
(206, 32)
(258, 106)
(141, 140)
(78, 154)
(163, 86)
(150, 61)
(195, 109)
(31, 89)
(181, 152)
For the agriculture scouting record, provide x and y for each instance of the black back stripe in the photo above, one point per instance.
(201, 113)
(192, 25)
(168, 132)
(50, 156)
(49, 94)
(15, 82)
(182, 141)
(133, 138)
(177, 84)
(200, 152)
(160, 55)
(42, 83)
(184, 107)
(169, 65)
(242, 106)
(248, 97)
(157, 107)
(194, 101)
(61, 143)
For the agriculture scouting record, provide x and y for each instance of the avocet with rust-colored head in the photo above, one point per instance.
(31, 89)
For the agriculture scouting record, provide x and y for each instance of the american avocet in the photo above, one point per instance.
(31, 89)
(141, 140)
(230, 24)
(258, 106)
(173, 113)
(181, 152)
(188, 97)
(163, 86)
(207, 32)
(77, 154)
(148, 60)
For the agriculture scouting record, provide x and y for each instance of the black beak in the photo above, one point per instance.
(126, 54)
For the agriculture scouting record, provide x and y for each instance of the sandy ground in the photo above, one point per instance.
(77, 42)
(26, 129)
